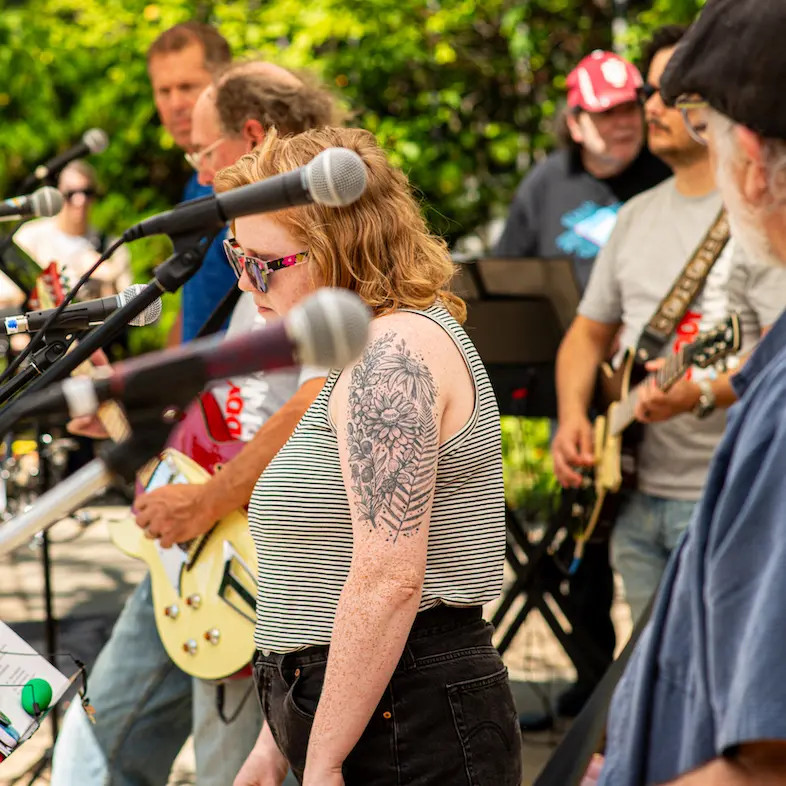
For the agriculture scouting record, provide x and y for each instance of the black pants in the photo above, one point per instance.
(447, 718)
(592, 595)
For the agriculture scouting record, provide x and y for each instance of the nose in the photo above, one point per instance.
(181, 101)
(205, 176)
(244, 283)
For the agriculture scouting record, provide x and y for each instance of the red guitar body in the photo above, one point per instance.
(202, 435)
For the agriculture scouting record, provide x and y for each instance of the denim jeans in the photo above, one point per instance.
(648, 529)
(447, 717)
(145, 710)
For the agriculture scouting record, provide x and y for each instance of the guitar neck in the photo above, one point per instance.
(674, 367)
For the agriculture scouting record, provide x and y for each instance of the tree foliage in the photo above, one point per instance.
(462, 93)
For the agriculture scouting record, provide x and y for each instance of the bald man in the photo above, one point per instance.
(145, 706)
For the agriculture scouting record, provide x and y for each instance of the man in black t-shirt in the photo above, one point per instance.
(567, 207)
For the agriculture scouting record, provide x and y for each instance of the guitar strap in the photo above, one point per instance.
(687, 286)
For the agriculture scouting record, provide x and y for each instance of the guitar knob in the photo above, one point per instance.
(190, 647)
(577, 510)
(195, 601)
(213, 635)
(173, 612)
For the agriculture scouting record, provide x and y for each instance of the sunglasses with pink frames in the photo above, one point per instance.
(258, 269)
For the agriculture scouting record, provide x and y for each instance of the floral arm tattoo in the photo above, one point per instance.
(392, 436)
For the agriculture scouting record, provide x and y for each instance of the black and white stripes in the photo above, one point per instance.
(300, 520)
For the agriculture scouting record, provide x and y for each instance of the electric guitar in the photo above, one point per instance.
(204, 590)
(595, 508)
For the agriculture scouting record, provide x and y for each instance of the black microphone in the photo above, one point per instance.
(336, 177)
(45, 202)
(80, 316)
(93, 141)
(328, 330)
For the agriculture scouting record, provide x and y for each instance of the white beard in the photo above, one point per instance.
(746, 226)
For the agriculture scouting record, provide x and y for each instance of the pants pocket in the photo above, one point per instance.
(486, 722)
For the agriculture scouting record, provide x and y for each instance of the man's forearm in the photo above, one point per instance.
(578, 360)
(231, 488)
(735, 772)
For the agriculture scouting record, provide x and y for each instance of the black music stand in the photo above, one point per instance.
(518, 312)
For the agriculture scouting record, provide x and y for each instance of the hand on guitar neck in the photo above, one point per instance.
(654, 405)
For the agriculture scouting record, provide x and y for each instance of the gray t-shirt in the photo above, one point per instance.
(656, 233)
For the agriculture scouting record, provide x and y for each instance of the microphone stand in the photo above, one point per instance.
(56, 346)
(149, 433)
(168, 277)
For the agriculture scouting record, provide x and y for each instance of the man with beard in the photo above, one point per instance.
(655, 236)
(567, 206)
(703, 699)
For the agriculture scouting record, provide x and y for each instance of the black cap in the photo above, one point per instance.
(734, 56)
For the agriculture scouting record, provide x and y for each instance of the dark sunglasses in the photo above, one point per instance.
(647, 91)
(258, 269)
(89, 193)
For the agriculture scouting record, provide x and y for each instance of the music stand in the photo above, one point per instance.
(518, 312)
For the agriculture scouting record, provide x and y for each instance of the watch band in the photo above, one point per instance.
(707, 401)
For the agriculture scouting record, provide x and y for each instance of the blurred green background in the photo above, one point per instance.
(463, 93)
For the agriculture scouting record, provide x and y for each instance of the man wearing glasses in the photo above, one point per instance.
(656, 234)
(146, 706)
(703, 699)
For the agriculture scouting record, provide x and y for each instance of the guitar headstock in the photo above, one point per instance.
(50, 288)
(710, 347)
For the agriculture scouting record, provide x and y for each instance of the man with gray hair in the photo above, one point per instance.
(703, 699)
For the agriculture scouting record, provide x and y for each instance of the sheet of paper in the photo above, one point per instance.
(19, 662)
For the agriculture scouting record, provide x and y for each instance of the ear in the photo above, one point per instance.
(574, 128)
(754, 184)
(253, 132)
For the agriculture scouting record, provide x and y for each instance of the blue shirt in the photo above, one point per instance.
(208, 286)
(709, 672)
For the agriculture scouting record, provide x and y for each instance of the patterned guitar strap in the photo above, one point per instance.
(686, 288)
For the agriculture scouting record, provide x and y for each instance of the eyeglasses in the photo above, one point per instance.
(195, 159)
(258, 269)
(88, 193)
(694, 114)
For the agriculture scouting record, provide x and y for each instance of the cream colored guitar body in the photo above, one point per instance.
(204, 592)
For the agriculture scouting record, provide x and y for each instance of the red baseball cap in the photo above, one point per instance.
(603, 80)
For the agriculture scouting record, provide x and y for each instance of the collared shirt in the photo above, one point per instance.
(709, 672)
(208, 286)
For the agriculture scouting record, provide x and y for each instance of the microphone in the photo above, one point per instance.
(80, 316)
(336, 177)
(328, 330)
(44, 202)
(93, 141)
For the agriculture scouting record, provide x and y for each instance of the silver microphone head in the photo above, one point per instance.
(330, 328)
(149, 315)
(46, 202)
(96, 140)
(336, 177)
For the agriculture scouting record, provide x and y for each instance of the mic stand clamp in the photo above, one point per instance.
(56, 346)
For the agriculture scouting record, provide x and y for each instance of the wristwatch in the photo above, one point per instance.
(706, 404)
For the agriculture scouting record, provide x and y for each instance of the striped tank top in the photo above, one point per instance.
(300, 518)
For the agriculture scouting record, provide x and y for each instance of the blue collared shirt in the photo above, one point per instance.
(208, 286)
(709, 672)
